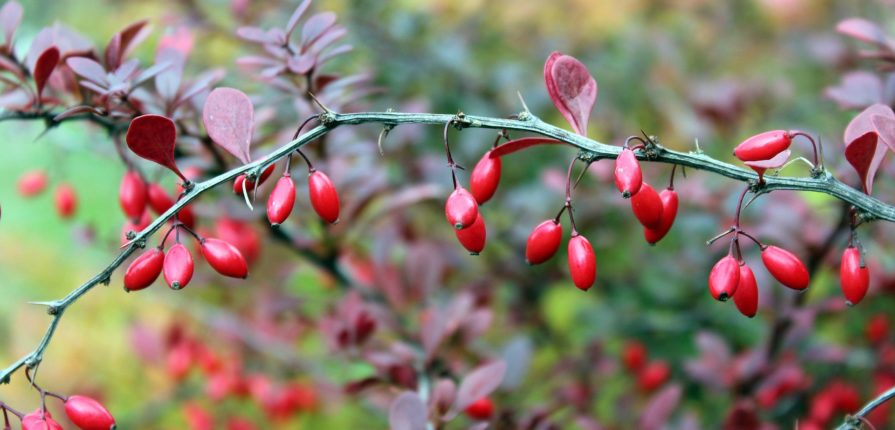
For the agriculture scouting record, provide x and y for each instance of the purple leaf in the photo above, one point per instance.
(862, 30)
(432, 332)
(315, 26)
(88, 69)
(572, 89)
(254, 34)
(131, 36)
(150, 72)
(443, 395)
(861, 143)
(480, 383)
(303, 63)
(857, 90)
(293, 20)
(660, 407)
(113, 52)
(152, 137)
(44, 67)
(229, 119)
(885, 127)
(202, 83)
(407, 412)
(10, 18)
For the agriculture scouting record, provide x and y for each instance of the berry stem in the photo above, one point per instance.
(818, 153)
(6, 408)
(568, 203)
(671, 180)
(447, 151)
(736, 220)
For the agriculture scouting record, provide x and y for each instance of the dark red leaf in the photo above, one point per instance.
(152, 137)
(861, 143)
(229, 119)
(520, 144)
(10, 17)
(293, 20)
(113, 52)
(88, 69)
(407, 412)
(660, 407)
(44, 68)
(480, 383)
(572, 89)
(885, 127)
(132, 35)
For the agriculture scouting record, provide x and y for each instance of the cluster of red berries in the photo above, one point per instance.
(84, 412)
(33, 183)
(323, 196)
(835, 399)
(650, 375)
(136, 198)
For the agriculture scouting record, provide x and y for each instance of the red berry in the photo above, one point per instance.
(461, 209)
(746, 296)
(136, 227)
(178, 267)
(324, 197)
(39, 420)
(543, 242)
(32, 183)
(877, 328)
(179, 361)
(160, 202)
(853, 278)
(647, 206)
(143, 271)
(132, 194)
(242, 235)
(250, 185)
(66, 200)
(88, 414)
(634, 356)
(653, 376)
(785, 267)
(582, 262)
(628, 177)
(481, 409)
(473, 237)
(763, 146)
(224, 258)
(724, 278)
(281, 200)
(669, 213)
(484, 178)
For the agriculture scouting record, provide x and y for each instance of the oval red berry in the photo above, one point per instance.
(66, 201)
(481, 409)
(763, 146)
(543, 242)
(484, 178)
(853, 279)
(628, 176)
(281, 200)
(473, 238)
(746, 296)
(785, 267)
(143, 271)
(724, 278)
(88, 414)
(324, 197)
(669, 213)
(647, 206)
(178, 267)
(32, 183)
(250, 185)
(461, 209)
(132, 195)
(582, 262)
(224, 258)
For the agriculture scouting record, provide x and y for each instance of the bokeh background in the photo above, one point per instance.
(687, 71)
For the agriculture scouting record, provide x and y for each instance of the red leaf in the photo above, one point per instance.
(229, 119)
(407, 412)
(660, 407)
(480, 383)
(10, 17)
(572, 89)
(861, 143)
(152, 137)
(44, 68)
(520, 144)
(88, 69)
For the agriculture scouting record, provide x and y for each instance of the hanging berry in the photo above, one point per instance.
(647, 207)
(763, 146)
(746, 296)
(724, 278)
(854, 277)
(785, 267)
(324, 197)
(251, 184)
(132, 195)
(178, 267)
(66, 201)
(143, 271)
(628, 176)
(484, 178)
(473, 237)
(32, 183)
(40, 420)
(669, 212)
(281, 200)
(582, 262)
(634, 356)
(543, 242)
(88, 414)
(461, 209)
(160, 202)
(224, 258)
(653, 376)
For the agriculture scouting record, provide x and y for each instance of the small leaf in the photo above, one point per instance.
(293, 20)
(407, 412)
(44, 67)
(229, 119)
(572, 89)
(520, 144)
(88, 69)
(315, 26)
(480, 383)
(132, 35)
(254, 34)
(863, 30)
(857, 90)
(10, 18)
(660, 407)
(153, 137)
(861, 143)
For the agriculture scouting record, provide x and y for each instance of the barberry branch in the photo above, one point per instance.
(857, 421)
(868, 207)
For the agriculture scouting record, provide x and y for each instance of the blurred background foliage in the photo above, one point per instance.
(684, 70)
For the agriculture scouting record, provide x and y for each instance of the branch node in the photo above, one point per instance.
(328, 119)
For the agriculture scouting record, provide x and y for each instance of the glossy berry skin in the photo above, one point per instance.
(88, 414)
(178, 267)
(281, 200)
(39, 420)
(132, 195)
(634, 356)
(32, 183)
(653, 376)
(785, 267)
(481, 409)
(877, 329)
(647, 206)
(66, 201)
(746, 296)
(763, 146)
(628, 176)
(224, 258)
(241, 235)
(724, 278)
(582, 262)
(160, 202)
(473, 238)
(669, 212)
(461, 209)
(324, 197)
(143, 271)
(484, 178)
(853, 278)
(250, 185)
(543, 242)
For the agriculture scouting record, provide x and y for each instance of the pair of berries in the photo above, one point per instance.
(177, 264)
(655, 211)
(731, 278)
(83, 411)
(33, 183)
(650, 375)
(323, 195)
(135, 195)
(544, 241)
(462, 213)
